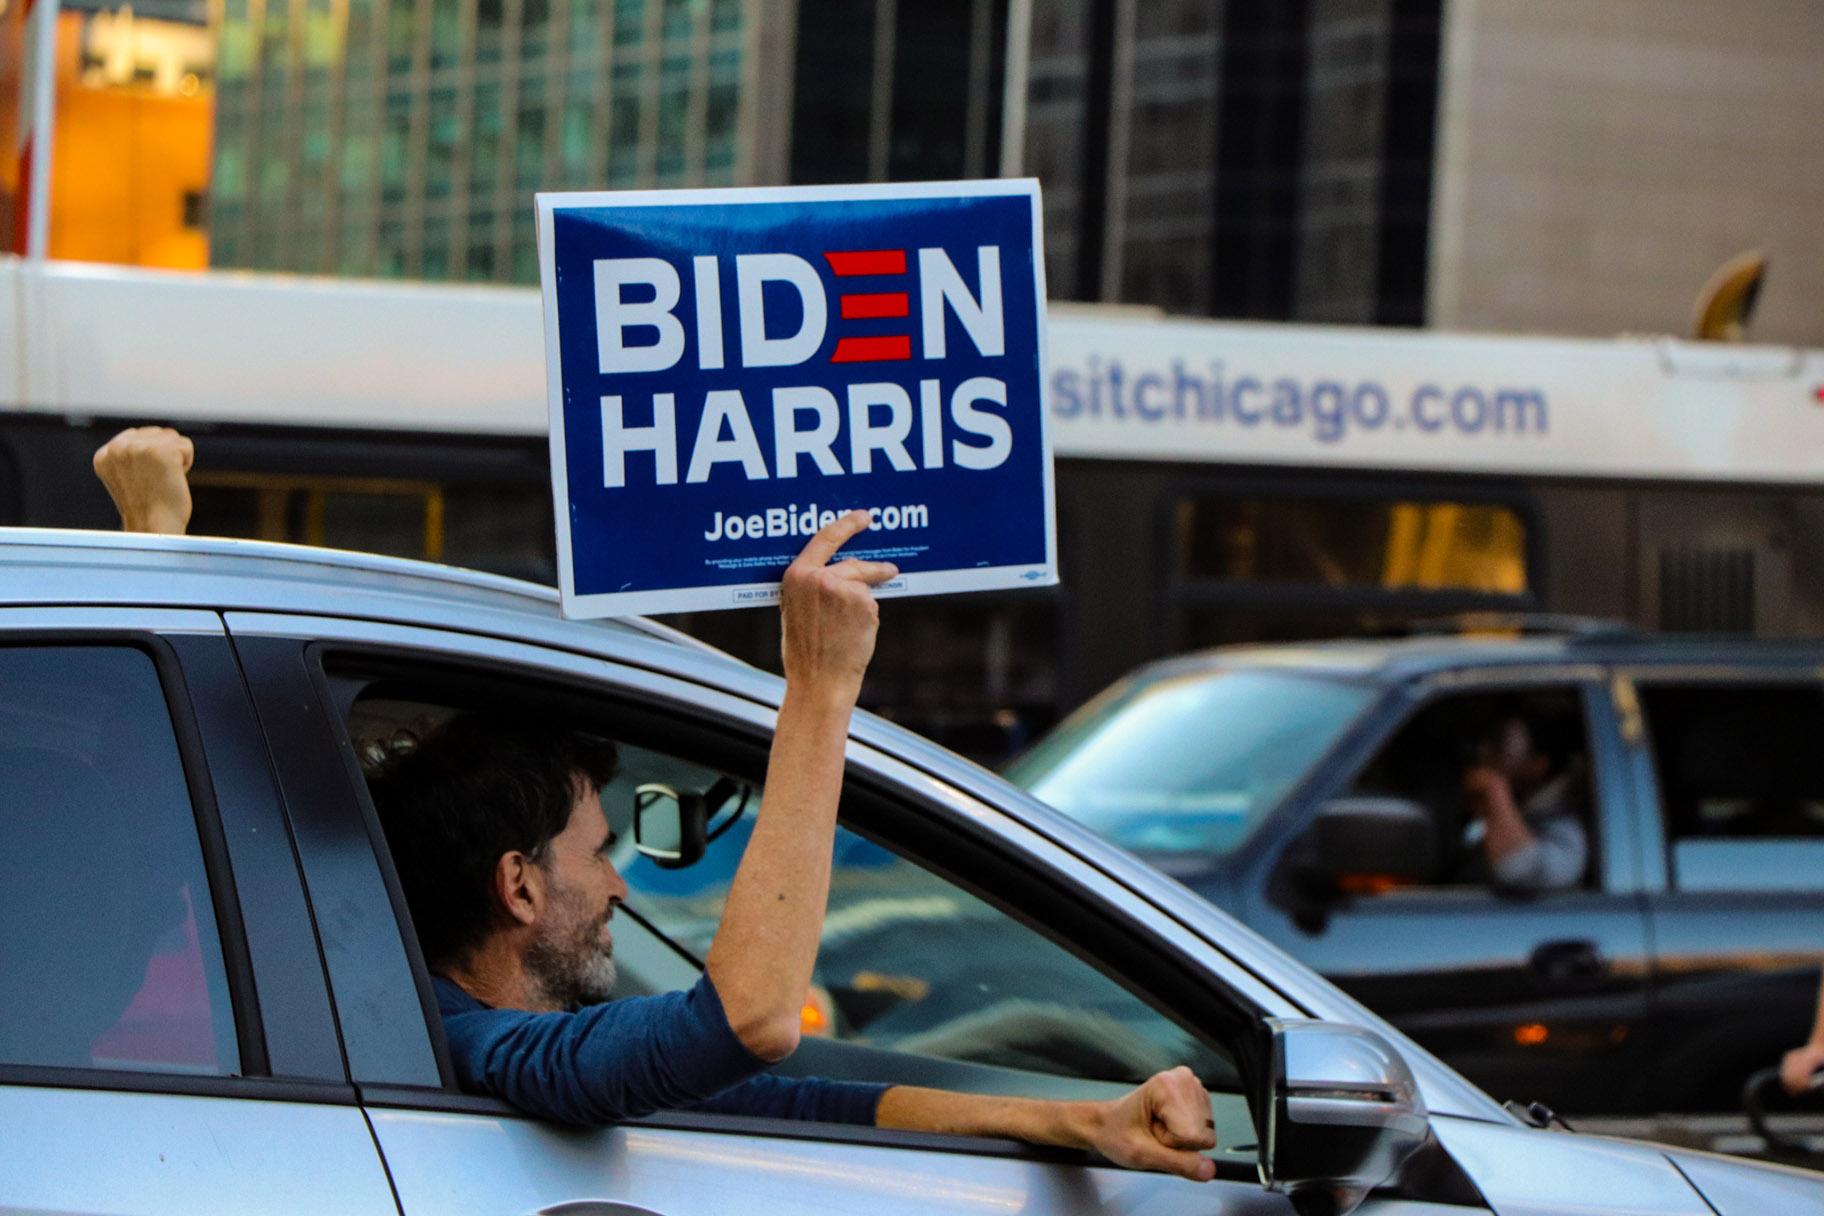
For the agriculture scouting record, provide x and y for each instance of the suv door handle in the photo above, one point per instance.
(594, 1207)
(1567, 959)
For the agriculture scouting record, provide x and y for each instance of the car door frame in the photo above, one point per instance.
(304, 639)
(1710, 1038)
(283, 1024)
(291, 1077)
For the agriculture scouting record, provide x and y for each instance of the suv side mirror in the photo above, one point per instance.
(1360, 841)
(1343, 1113)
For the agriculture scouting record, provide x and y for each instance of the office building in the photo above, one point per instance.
(405, 138)
(1239, 159)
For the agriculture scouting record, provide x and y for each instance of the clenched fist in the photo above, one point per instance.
(830, 616)
(144, 469)
(1163, 1125)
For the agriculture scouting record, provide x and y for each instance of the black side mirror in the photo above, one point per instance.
(1360, 841)
(670, 826)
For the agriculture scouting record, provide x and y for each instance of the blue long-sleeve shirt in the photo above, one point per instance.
(623, 1059)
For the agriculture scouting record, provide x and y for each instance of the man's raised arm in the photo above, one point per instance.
(766, 945)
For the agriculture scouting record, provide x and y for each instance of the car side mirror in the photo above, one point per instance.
(1364, 843)
(670, 826)
(1343, 1113)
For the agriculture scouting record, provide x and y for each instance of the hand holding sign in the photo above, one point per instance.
(829, 615)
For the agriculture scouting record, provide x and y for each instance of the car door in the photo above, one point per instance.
(1539, 996)
(166, 1043)
(449, 1152)
(1731, 773)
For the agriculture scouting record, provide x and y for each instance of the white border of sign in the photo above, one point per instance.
(740, 595)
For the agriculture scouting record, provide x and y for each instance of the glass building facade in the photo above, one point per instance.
(1269, 159)
(405, 138)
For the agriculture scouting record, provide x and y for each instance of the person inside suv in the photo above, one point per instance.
(1525, 792)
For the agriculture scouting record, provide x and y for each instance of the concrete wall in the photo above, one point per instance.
(1598, 159)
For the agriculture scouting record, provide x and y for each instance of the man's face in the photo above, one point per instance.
(571, 957)
(1510, 752)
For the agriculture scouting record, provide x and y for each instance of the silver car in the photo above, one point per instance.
(211, 997)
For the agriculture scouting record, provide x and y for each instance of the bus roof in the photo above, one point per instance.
(1124, 383)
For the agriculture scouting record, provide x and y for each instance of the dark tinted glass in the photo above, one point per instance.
(1738, 763)
(109, 956)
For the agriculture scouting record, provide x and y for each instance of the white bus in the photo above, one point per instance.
(1217, 482)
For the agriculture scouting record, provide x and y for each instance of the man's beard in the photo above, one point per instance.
(572, 969)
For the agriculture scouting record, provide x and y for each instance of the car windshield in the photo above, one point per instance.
(1188, 762)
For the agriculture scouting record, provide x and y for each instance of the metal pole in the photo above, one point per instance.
(1013, 89)
(41, 84)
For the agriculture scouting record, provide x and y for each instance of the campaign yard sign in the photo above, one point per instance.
(729, 370)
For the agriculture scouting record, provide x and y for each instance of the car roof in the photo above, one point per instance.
(1395, 660)
(57, 566)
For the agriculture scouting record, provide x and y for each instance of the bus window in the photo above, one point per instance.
(1271, 568)
(504, 529)
(1352, 542)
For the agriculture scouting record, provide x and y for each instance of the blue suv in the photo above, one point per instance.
(1316, 792)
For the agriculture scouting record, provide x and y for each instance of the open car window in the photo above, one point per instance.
(918, 980)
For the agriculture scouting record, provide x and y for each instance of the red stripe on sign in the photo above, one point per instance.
(872, 350)
(867, 261)
(862, 306)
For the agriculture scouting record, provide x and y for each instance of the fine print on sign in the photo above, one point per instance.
(729, 370)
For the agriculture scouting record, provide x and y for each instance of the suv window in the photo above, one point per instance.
(1188, 762)
(109, 956)
(1430, 759)
(1739, 782)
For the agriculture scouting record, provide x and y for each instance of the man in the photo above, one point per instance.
(502, 849)
(1528, 809)
(145, 470)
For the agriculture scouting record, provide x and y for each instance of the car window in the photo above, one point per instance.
(109, 956)
(1188, 762)
(1740, 782)
(912, 963)
(909, 962)
(1534, 743)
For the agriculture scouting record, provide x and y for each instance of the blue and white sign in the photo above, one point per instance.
(729, 370)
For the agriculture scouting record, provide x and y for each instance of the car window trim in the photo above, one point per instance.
(406, 1098)
(224, 895)
(123, 1080)
(874, 785)
(303, 750)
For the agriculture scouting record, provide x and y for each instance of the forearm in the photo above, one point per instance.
(159, 518)
(1067, 1124)
(765, 948)
(1817, 1025)
(1505, 828)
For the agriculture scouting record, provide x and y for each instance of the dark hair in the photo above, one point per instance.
(455, 800)
(1553, 727)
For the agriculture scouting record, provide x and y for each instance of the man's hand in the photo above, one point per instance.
(1163, 1125)
(1797, 1067)
(830, 618)
(1483, 783)
(144, 469)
